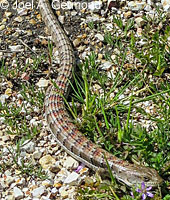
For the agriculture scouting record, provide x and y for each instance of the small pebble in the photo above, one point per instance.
(18, 194)
(38, 191)
(70, 163)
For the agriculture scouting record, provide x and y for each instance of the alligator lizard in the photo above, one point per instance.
(66, 133)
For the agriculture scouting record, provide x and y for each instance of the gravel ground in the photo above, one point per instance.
(23, 37)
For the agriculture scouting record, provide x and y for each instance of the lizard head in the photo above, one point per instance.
(133, 175)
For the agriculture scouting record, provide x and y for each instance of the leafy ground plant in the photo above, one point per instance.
(15, 114)
(111, 116)
(112, 126)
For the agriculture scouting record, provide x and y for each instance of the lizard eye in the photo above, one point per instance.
(146, 179)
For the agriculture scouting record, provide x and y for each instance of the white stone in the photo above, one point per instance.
(106, 65)
(29, 61)
(47, 161)
(10, 197)
(92, 18)
(48, 183)
(2, 119)
(25, 189)
(8, 173)
(2, 27)
(62, 174)
(20, 181)
(61, 19)
(6, 151)
(100, 36)
(70, 163)
(63, 193)
(45, 198)
(8, 14)
(146, 103)
(147, 8)
(16, 48)
(136, 6)
(109, 26)
(28, 146)
(76, 42)
(34, 122)
(37, 154)
(42, 83)
(23, 111)
(73, 13)
(5, 138)
(149, 2)
(166, 5)
(84, 55)
(36, 109)
(19, 96)
(139, 21)
(54, 190)
(18, 19)
(18, 194)
(3, 98)
(38, 191)
(72, 179)
(111, 74)
(9, 180)
(122, 96)
(128, 14)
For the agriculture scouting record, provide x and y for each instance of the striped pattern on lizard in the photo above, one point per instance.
(66, 133)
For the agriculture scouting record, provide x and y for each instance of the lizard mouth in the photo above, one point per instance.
(132, 181)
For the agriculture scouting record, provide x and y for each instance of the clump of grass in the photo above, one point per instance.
(102, 122)
(110, 120)
(15, 116)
